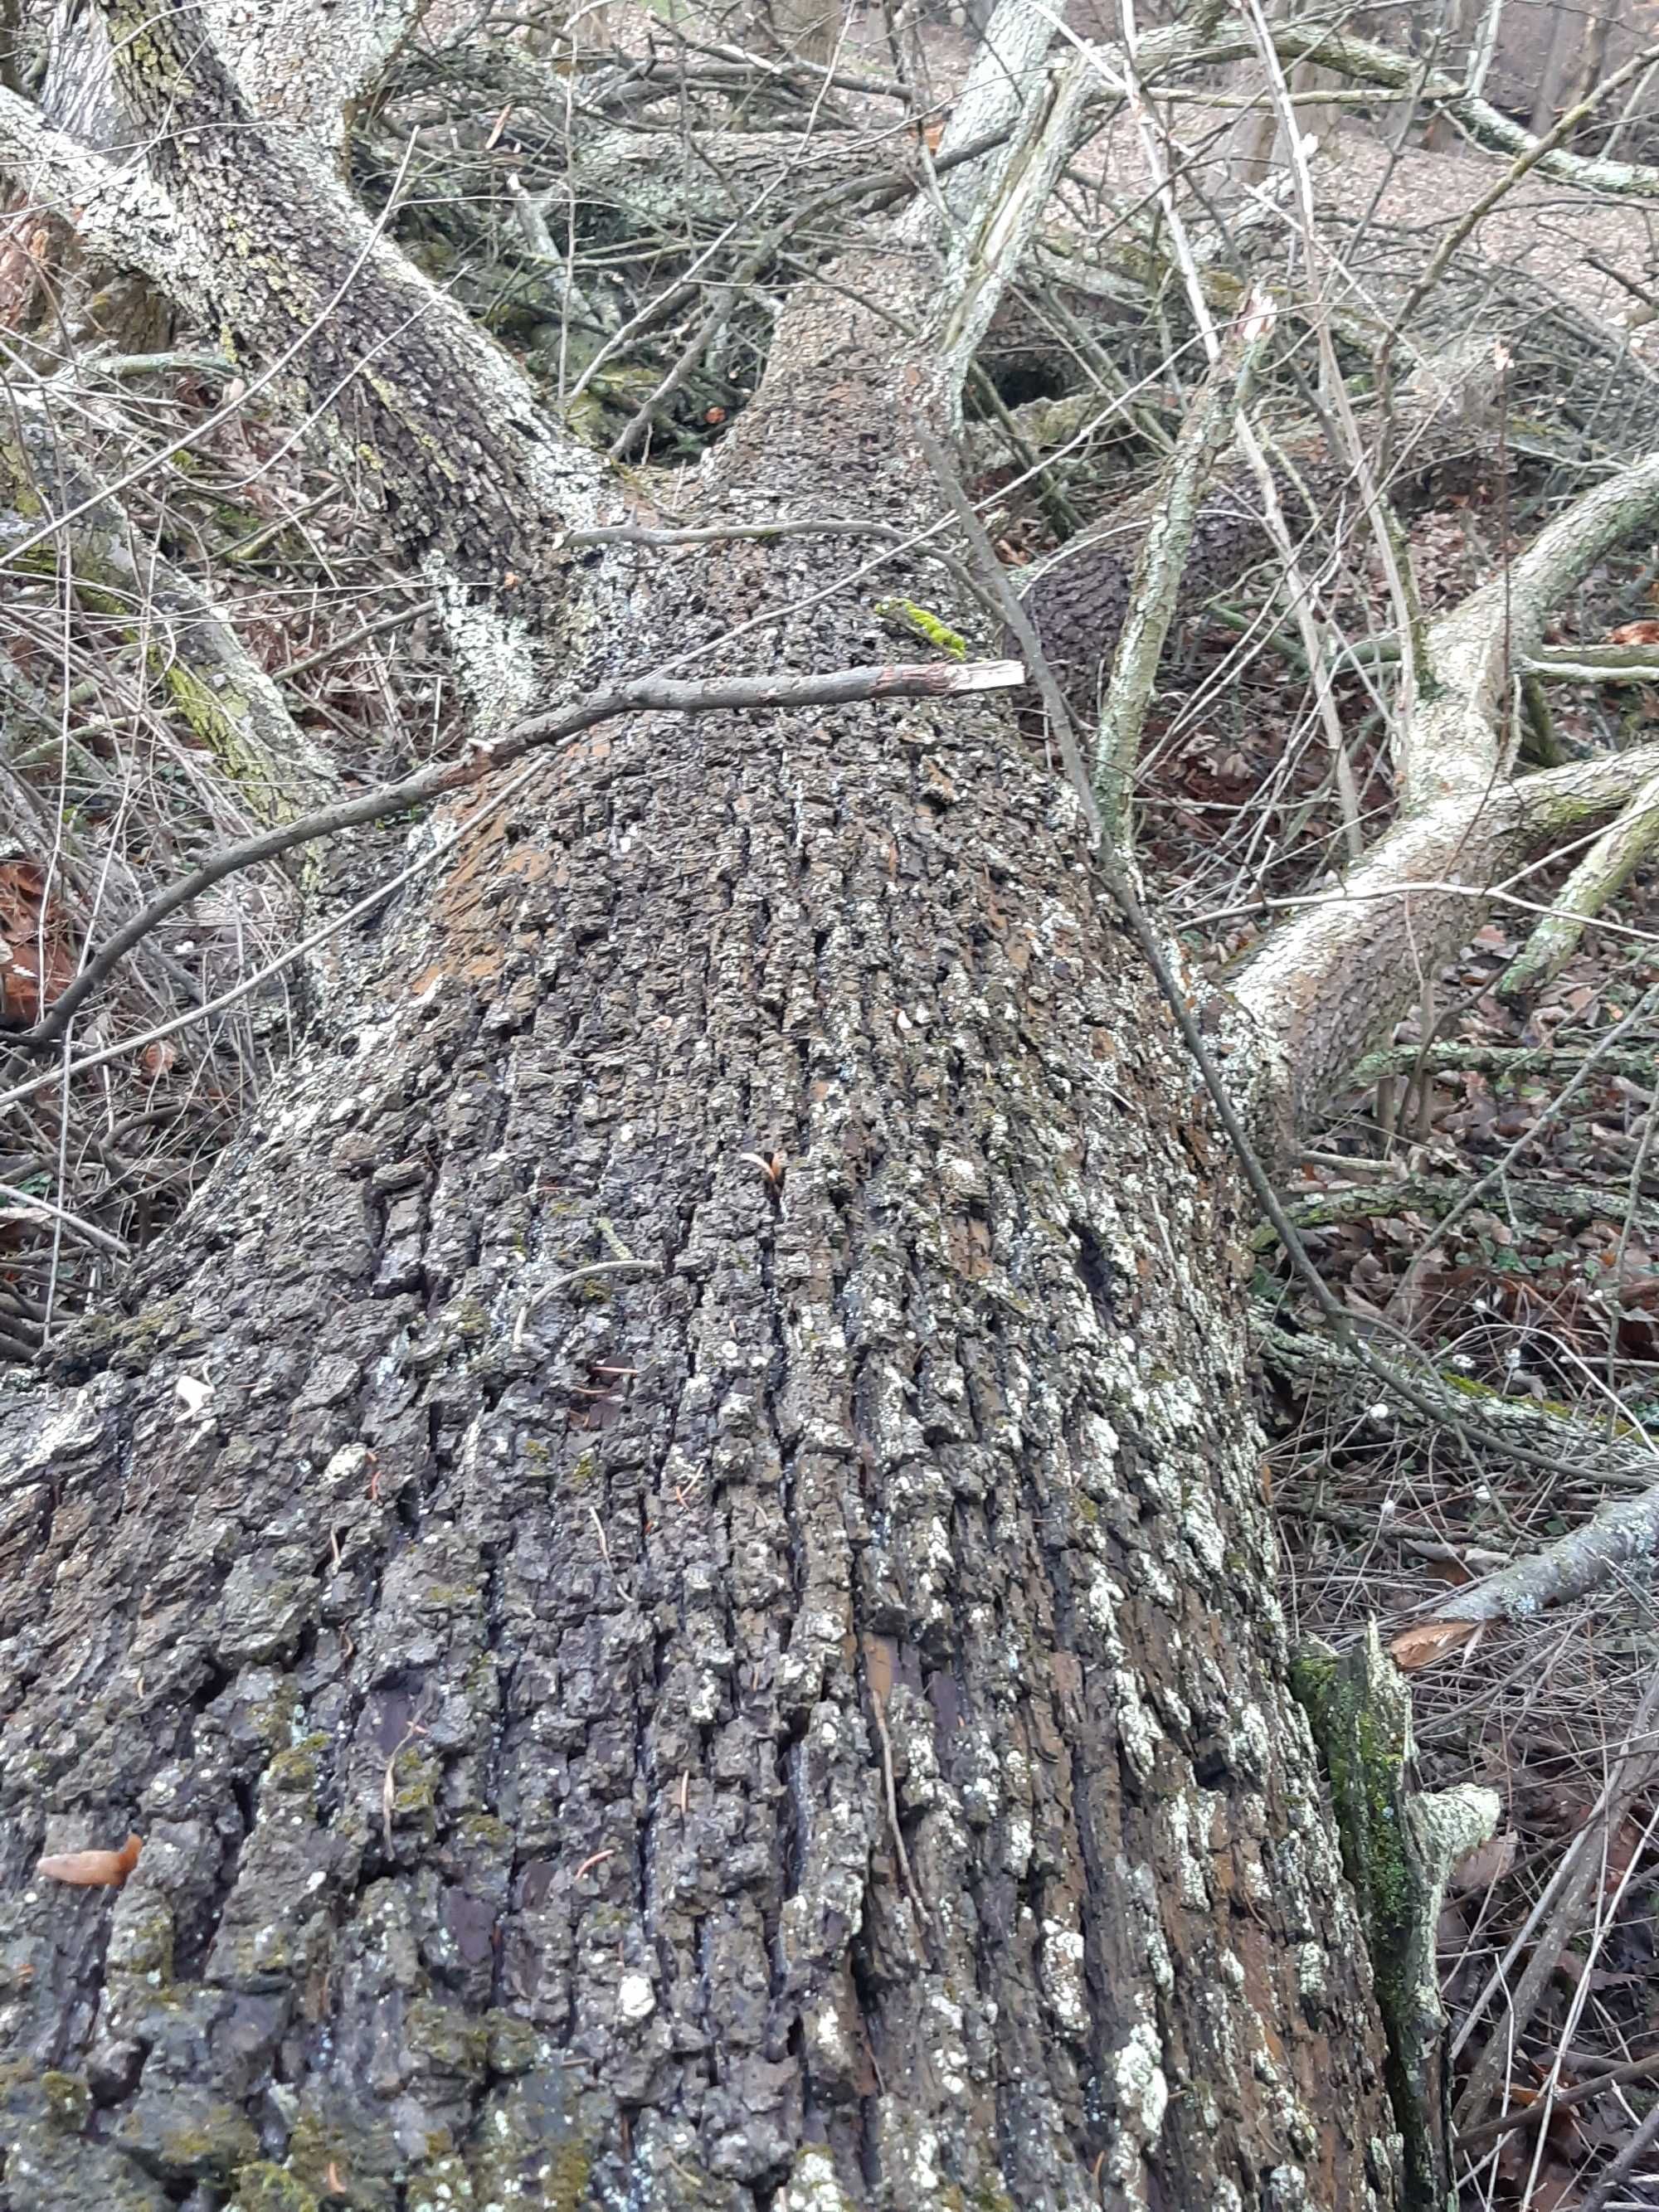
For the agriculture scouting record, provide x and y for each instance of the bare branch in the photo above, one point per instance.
(1599, 876)
(1534, 156)
(1369, 63)
(1156, 588)
(1623, 1532)
(1325, 986)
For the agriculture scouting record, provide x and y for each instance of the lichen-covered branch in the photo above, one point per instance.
(116, 208)
(1460, 737)
(1366, 63)
(1327, 983)
(1504, 1063)
(1441, 1405)
(272, 250)
(1595, 664)
(1599, 876)
(1623, 1534)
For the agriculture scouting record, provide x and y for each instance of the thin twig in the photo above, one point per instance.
(995, 578)
(890, 1791)
(88, 1231)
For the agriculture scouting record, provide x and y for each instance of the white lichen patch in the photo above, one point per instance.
(1287, 2191)
(1142, 2092)
(813, 2187)
(948, 2046)
(635, 1998)
(1311, 1971)
(1100, 1442)
(1063, 1984)
(1178, 1399)
(72, 1426)
(1099, 1597)
(1018, 1841)
(1250, 1743)
(912, 2149)
(1202, 1532)
(1184, 1818)
(1149, 1576)
(1138, 1886)
(1138, 1735)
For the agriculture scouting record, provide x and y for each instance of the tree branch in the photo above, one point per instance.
(1456, 740)
(1369, 63)
(1155, 589)
(1599, 876)
(116, 211)
(1326, 985)
(309, 67)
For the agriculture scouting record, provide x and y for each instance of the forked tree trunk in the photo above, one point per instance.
(714, 1641)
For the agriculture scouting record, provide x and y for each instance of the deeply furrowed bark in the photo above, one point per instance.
(498, 1665)
(711, 1642)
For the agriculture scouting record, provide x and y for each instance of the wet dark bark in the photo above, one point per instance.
(714, 1641)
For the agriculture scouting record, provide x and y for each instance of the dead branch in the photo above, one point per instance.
(1623, 1532)
(1365, 63)
(1599, 876)
(1558, 1911)
(1156, 587)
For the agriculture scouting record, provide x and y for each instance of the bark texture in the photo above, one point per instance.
(804, 1706)
(671, 1565)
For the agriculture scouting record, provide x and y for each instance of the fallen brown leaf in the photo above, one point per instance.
(93, 1870)
(1432, 1640)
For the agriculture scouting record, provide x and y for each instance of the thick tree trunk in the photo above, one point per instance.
(646, 1665)
(671, 1565)
(814, 1680)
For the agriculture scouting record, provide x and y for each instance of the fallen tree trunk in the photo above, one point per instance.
(670, 1566)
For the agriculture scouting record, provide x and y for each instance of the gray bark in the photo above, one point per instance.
(712, 1640)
